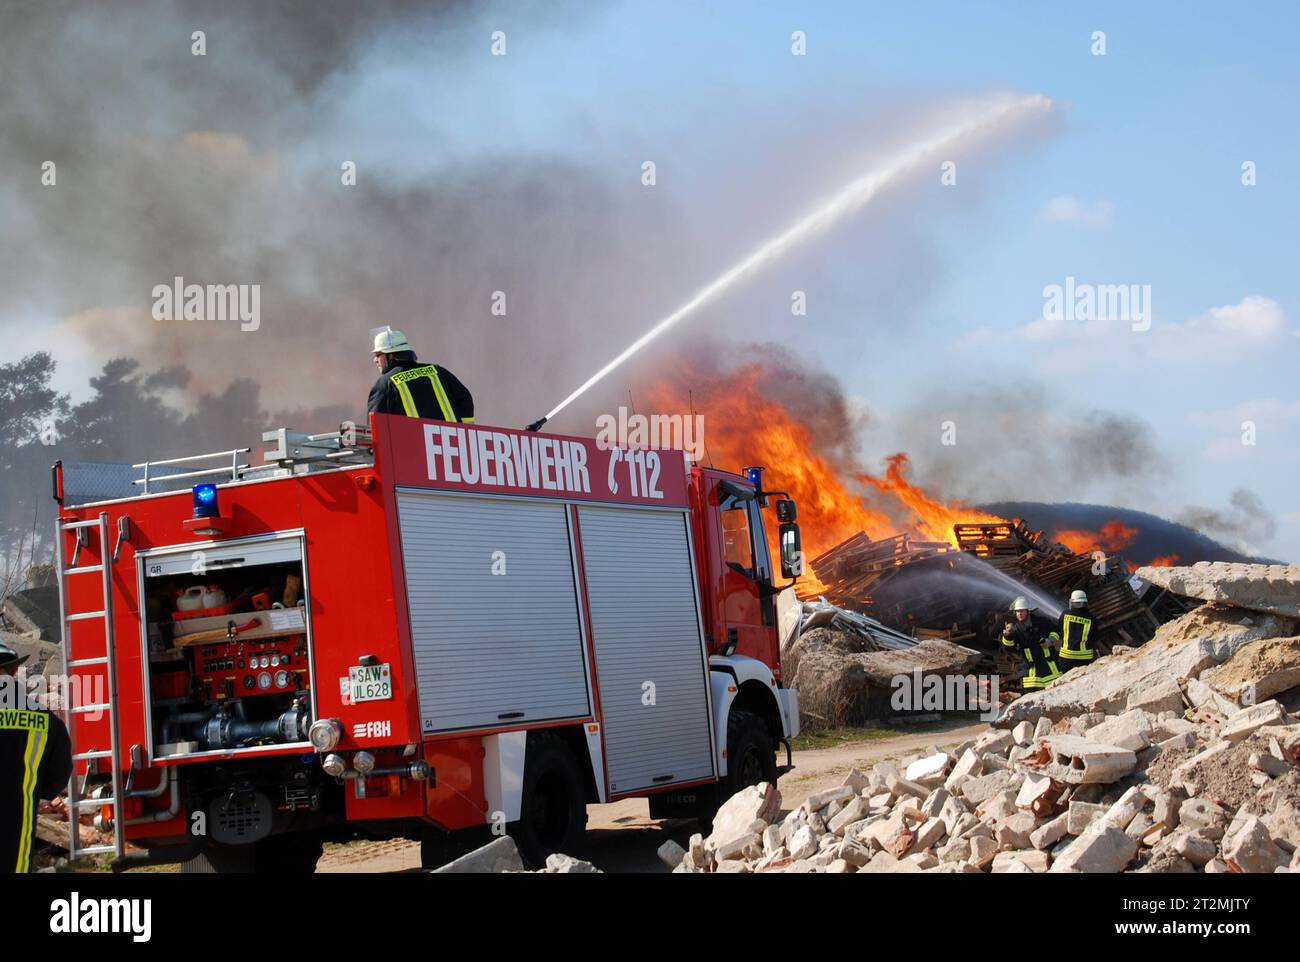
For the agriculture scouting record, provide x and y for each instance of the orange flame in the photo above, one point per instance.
(744, 426)
(1114, 535)
(1163, 561)
(932, 519)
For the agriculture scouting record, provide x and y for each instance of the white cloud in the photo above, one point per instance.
(1068, 209)
(1222, 335)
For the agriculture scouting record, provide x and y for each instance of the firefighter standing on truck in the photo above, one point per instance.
(35, 764)
(1031, 635)
(1075, 629)
(417, 390)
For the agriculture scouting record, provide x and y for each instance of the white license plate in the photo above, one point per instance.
(370, 682)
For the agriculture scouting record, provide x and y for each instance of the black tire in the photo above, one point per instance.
(289, 853)
(751, 756)
(553, 815)
(214, 859)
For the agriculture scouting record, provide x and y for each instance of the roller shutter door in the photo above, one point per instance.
(492, 649)
(645, 626)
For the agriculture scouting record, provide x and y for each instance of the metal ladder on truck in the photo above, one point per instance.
(92, 756)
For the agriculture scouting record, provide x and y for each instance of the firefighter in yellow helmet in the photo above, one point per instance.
(405, 386)
(1076, 630)
(1031, 636)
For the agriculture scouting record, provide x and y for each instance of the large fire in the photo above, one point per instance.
(744, 426)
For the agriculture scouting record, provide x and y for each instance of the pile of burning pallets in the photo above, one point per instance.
(935, 590)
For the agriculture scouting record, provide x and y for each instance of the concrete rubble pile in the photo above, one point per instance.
(1179, 756)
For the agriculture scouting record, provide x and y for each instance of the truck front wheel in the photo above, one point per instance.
(553, 813)
(751, 756)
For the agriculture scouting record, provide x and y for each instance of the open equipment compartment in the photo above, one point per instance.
(227, 649)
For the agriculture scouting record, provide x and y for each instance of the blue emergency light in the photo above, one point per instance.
(755, 477)
(205, 501)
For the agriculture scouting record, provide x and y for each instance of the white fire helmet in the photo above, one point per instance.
(389, 341)
(1021, 604)
(1078, 597)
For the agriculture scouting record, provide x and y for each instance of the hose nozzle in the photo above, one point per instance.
(536, 425)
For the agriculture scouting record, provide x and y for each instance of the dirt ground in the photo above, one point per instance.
(621, 837)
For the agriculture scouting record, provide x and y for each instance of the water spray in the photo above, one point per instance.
(853, 196)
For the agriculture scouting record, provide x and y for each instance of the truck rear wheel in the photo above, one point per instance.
(553, 815)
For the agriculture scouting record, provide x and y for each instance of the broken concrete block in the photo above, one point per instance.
(838, 867)
(1043, 728)
(1131, 730)
(749, 810)
(856, 781)
(803, 843)
(1201, 813)
(982, 851)
(1140, 826)
(968, 765)
(1032, 860)
(1023, 733)
(558, 864)
(854, 853)
(930, 833)
(1122, 812)
(498, 855)
(980, 788)
(771, 839)
(996, 742)
(854, 811)
(1015, 832)
(732, 867)
(931, 766)
(1035, 787)
(1049, 833)
(1195, 846)
(899, 787)
(1162, 694)
(954, 850)
(935, 801)
(671, 854)
(1247, 847)
(1078, 760)
(1249, 720)
(840, 793)
(1080, 815)
(1102, 848)
(748, 846)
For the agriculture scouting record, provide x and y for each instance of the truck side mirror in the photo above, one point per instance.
(791, 551)
(786, 510)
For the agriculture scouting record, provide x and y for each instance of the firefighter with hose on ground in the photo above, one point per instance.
(1075, 629)
(416, 390)
(1031, 635)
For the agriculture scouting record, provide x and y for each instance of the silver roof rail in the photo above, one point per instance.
(233, 470)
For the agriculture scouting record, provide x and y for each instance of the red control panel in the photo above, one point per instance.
(240, 669)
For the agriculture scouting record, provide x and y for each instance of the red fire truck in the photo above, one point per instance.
(414, 629)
